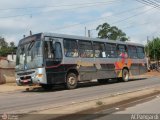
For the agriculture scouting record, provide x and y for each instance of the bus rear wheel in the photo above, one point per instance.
(125, 75)
(71, 81)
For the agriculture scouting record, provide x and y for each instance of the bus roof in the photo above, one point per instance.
(91, 39)
(24, 40)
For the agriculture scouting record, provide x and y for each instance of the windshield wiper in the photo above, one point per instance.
(31, 45)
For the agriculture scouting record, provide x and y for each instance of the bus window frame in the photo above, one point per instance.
(118, 51)
(91, 47)
(104, 50)
(51, 43)
(115, 55)
(68, 39)
(138, 52)
(55, 47)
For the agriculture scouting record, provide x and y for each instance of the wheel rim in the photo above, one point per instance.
(126, 75)
(71, 81)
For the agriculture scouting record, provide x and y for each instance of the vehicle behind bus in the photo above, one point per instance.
(48, 59)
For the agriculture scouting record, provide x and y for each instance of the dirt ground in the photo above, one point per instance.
(13, 87)
(153, 73)
(9, 87)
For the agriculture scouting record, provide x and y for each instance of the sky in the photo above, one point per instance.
(18, 17)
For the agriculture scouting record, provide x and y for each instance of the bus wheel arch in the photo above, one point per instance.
(71, 79)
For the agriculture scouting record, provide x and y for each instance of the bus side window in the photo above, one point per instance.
(140, 51)
(99, 50)
(58, 50)
(48, 49)
(111, 51)
(122, 51)
(70, 48)
(85, 49)
(132, 52)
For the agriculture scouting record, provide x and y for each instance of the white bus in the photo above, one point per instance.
(48, 59)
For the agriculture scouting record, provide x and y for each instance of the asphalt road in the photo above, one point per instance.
(149, 109)
(23, 102)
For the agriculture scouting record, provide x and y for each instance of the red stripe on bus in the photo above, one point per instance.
(59, 65)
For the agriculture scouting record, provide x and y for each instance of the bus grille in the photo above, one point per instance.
(26, 77)
(26, 73)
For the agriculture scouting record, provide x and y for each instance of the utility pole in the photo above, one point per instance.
(154, 49)
(148, 56)
(89, 33)
(85, 32)
(30, 32)
(148, 45)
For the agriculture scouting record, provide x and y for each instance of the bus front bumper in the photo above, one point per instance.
(37, 76)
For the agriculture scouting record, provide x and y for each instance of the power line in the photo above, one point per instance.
(149, 3)
(133, 26)
(156, 1)
(138, 14)
(65, 5)
(118, 13)
(99, 18)
(50, 11)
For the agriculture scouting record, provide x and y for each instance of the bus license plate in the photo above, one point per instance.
(27, 80)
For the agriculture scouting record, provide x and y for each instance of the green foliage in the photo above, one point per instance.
(12, 45)
(3, 43)
(6, 48)
(153, 48)
(111, 32)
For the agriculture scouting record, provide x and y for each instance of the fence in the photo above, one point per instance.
(7, 71)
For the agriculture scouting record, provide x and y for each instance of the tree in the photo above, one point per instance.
(12, 45)
(111, 32)
(3, 43)
(5, 49)
(153, 49)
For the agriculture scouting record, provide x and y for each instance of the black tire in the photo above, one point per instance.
(47, 87)
(71, 81)
(125, 75)
(102, 81)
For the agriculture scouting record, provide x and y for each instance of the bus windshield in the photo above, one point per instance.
(29, 55)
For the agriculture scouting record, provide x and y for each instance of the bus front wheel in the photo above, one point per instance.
(71, 81)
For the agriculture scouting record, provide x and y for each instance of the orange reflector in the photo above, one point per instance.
(39, 75)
